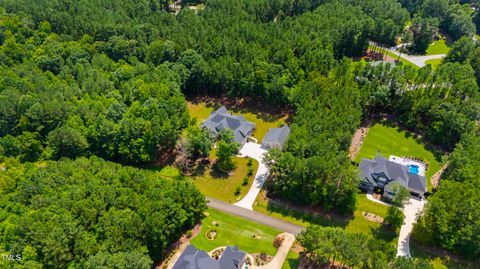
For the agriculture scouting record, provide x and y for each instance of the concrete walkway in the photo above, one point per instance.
(255, 151)
(255, 216)
(282, 252)
(412, 208)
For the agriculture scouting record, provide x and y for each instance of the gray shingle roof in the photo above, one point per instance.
(220, 120)
(393, 171)
(192, 258)
(277, 135)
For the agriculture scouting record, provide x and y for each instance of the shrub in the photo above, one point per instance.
(250, 171)
(189, 233)
(245, 181)
(237, 191)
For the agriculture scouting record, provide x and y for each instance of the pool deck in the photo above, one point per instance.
(408, 162)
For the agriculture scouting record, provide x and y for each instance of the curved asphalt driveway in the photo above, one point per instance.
(254, 216)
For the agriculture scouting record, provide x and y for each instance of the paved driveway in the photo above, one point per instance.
(282, 252)
(255, 216)
(255, 151)
(411, 209)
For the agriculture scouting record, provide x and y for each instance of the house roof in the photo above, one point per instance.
(222, 120)
(277, 135)
(393, 171)
(192, 258)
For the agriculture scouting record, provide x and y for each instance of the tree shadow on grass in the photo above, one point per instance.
(293, 262)
(384, 233)
(320, 217)
(217, 173)
(267, 113)
(437, 151)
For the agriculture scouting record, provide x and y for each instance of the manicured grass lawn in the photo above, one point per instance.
(235, 231)
(438, 47)
(219, 185)
(391, 140)
(357, 224)
(361, 225)
(201, 111)
(435, 63)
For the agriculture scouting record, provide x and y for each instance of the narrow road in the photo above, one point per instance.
(255, 216)
(255, 151)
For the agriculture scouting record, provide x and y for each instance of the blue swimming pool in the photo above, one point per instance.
(413, 169)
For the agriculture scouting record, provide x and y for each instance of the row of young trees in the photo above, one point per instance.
(329, 245)
(90, 213)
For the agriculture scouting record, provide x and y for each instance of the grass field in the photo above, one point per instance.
(391, 140)
(219, 185)
(201, 111)
(356, 224)
(249, 236)
(438, 47)
(361, 225)
(435, 63)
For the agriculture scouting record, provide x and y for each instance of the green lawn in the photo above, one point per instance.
(361, 225)
(356, 224)
(435, 63)
(391, 140)
(438, 47)
(249, 236)
(219, 185)
(201, 111)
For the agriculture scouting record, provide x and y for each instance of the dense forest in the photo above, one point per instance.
(108, 79)
(90, 213)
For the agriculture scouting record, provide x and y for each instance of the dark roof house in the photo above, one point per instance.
(382, 173)
(220, 120)
(276, 137)
(192, 258)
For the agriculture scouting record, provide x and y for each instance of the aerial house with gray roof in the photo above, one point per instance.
(384, 174)
(192, 258)
(276, 137)
(220, 120)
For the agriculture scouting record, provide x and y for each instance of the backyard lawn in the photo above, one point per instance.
(438, 47)
(219, 185)
(201, 111)
(391, 140)
(249, 236)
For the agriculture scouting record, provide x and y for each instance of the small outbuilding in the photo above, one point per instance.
(276, 137)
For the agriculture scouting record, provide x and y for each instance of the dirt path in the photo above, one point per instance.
(357, 141)
(436, 177)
